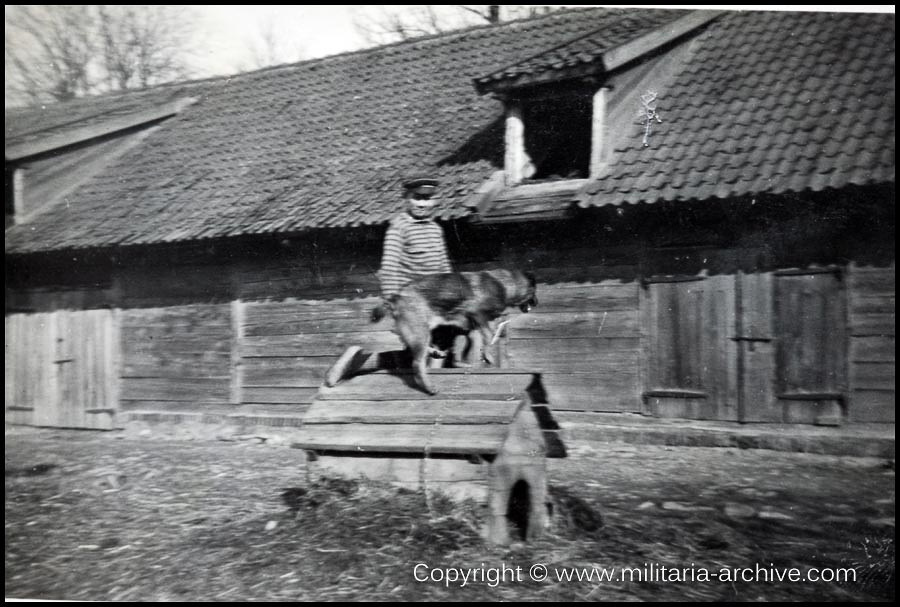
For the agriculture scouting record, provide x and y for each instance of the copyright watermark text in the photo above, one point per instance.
(493, 576)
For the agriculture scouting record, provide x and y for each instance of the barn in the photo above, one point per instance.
(705, 197)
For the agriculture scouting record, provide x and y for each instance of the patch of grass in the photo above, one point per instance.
(130, 520)
(33, 470)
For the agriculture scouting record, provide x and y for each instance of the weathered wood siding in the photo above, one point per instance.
(298, 312)
(176, 357)
(755, 348)
(30, 372)
(691, 356)
(872, 357)
(61, 369)
(811, 361)
(286, 347)
(708, 331)
(585, 338)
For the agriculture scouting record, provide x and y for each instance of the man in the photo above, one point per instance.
(414, 246)
(414, 243)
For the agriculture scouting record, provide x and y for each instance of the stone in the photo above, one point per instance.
(679, 507)
(834, 519)
(881, 522)
(773, 515)
(733, 510)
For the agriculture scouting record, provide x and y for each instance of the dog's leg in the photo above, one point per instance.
(491, 336)
(460, 351)
(487, 344)
(416, 335)
(420, 366)
(482, 329)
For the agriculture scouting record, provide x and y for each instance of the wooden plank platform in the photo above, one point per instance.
(413, 412)
(473, 384)
(386, 412)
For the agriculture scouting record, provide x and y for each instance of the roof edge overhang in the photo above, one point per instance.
(607, 61)
(80, 135)
(543, 200)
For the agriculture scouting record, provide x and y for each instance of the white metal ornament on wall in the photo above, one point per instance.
(648, 114)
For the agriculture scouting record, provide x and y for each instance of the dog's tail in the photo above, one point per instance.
(382, 309)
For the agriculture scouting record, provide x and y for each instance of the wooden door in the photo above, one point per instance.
(690, 368)
(811, 354)
(756, 344)
(61, 369)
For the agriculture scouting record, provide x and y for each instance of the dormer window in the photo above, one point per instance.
(557, 101)
(557, 137)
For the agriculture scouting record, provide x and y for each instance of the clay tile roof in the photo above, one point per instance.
(322, 143)
(785, 98)
(616, 28)
(763, 102)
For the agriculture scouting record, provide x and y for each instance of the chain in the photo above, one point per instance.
(423, 467)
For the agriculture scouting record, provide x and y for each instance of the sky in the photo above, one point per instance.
(228, 33)
(228, 36)
(229, 39)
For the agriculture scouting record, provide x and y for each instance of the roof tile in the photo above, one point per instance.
(765, 102)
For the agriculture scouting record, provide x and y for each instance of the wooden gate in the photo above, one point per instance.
(761, 347)
(61, 369)
(811, 359)
(690, 365)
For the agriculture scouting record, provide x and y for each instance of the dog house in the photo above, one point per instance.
(485, 435)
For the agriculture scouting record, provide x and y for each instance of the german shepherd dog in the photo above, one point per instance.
(467, 300)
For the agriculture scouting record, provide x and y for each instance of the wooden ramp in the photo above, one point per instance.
(485, 435)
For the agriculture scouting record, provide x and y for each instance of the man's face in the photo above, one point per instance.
(420, 204)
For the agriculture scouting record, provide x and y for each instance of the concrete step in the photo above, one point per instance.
(864, 440)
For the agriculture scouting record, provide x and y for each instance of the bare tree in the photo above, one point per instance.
(144, 45)
(50, 51)
(272, 46)
(58, 52)
(387, 25)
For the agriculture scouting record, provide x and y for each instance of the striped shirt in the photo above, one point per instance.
(412, 247)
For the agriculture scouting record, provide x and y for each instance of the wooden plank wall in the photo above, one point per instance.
(585, 338)
(872, 344)
(175, 357)
(262, 332)
(286, 347)
(350, 273)
(584, 335)
(298, 312)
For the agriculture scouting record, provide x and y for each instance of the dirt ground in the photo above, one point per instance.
(101, 516)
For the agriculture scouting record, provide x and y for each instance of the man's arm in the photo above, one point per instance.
(445, 257)
(391, 273)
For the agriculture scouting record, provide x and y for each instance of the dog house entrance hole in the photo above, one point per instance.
(518, 509)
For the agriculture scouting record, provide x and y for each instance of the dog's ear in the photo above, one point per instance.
(382, 309)
(378, 313)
